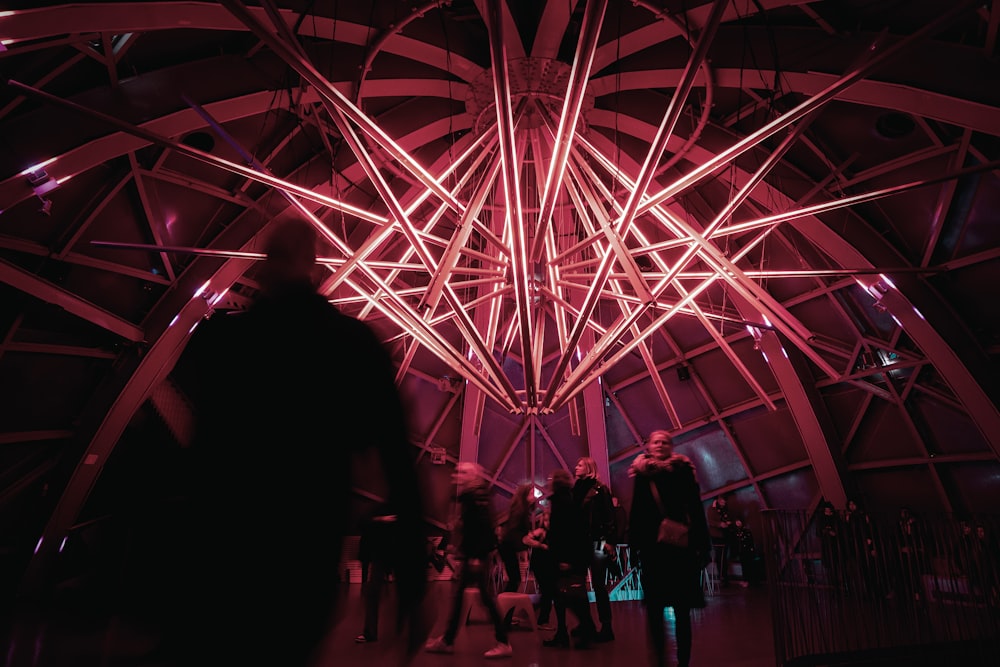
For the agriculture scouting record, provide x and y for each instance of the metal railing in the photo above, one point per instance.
(853, 584)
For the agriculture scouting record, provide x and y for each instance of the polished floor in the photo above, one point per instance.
(734, 630)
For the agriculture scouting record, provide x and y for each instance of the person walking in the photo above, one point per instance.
(512, 533)
(271, 469)
(376, 553)
(666, 486)
(474, 543)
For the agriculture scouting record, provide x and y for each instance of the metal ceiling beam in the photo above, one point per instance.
(331, 94)
(808, 106)
(569, 118)
(637, 191)
(513, 197)
(202, 156)
(49, 292)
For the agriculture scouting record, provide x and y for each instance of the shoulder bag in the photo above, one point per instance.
(674, 533)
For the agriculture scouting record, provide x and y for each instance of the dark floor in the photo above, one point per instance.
(733, 630)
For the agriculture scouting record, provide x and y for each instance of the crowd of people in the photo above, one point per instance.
(571, 529)
(258, 578)
(888, 557)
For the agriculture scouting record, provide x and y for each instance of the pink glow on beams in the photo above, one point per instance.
(35, 168)
(527, 236)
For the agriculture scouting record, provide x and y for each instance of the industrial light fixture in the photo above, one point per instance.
(40, 181)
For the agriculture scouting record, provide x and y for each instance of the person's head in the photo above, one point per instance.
(291, 254)
(523, 498)
(660, 445)
(852, 506)
(560, 479)
(738, 523)
(586, 467)
(468, 475)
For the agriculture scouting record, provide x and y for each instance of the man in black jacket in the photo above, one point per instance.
(286, 393)
(594, 502)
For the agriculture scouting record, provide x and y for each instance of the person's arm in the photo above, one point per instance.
(536, 539)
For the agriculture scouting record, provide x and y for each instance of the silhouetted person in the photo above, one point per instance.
(570, 549)
(911, 555)
(475, 541)
(593, 498)
(671, 575)
(618, 565)
(746, 552)
(543, 567)
(512, 533)
(285, 393)
(720, 524)
(830, 543)
(860, 549)
(376, 551)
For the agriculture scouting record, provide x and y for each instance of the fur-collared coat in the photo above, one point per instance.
(670, 575)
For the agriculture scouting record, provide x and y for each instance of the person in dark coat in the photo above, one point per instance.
(512, 533)
(475, 540)
(671, 575)
(286, 393)
(594, 500)
(720, 526)
(543, 568)
(570, 551)
(376, 551)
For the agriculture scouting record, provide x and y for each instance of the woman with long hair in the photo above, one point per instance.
(512, 533)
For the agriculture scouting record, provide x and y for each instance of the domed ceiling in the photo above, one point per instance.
(768, 226)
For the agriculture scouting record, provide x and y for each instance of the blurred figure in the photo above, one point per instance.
(618, 565)
(911, 555)
(830, 543)
(474, 541)
(543, 567)
(570, 549)
(376, 551)
(746, 552)
(593, 499)
(670, 574)
(988, 564)
(512, 534)
(286, 393)
(720, 525)
(861, 555)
